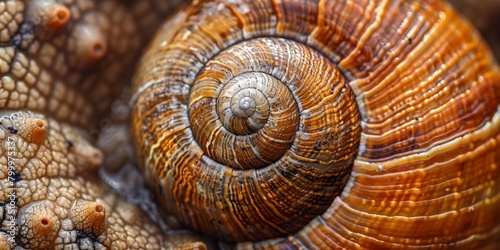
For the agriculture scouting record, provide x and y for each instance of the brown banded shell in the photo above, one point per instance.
(323, 124)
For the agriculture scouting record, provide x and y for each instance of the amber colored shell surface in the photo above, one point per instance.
(323, 124)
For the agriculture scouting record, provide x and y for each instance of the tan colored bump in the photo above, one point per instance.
(58, 16)
(6, 57)
(39, 225)
(89, 158)
(11, 16)
(5, 241)
(90, 45)
(47, 54)
(93, 157)
(34, 130)
(48, 14)
(30, 127)
(7, 83)
(20, 64)
(89, 217)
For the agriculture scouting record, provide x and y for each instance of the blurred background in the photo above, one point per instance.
(485, 15)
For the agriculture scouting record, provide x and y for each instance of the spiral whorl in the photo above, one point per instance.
(243, 105)
(251, 116)
(246, 108)
(258, 123)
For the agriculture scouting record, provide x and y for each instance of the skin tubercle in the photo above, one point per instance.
(58, 196)
(59, 200)
(68, 61)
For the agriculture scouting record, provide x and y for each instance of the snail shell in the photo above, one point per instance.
(323, 124)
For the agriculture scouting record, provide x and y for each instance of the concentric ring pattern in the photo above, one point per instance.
(328, 124)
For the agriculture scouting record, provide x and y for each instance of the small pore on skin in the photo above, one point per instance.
(89, 217)
(90, 44)
(39, 225)
(48, 14)
(34, 130)
(58, 17)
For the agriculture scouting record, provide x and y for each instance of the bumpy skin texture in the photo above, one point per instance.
(71, 71)
(57, 182)
(62, 63)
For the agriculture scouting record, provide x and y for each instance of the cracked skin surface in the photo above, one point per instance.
(61, 65)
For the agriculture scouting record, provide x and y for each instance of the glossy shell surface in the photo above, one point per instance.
(329, 124)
